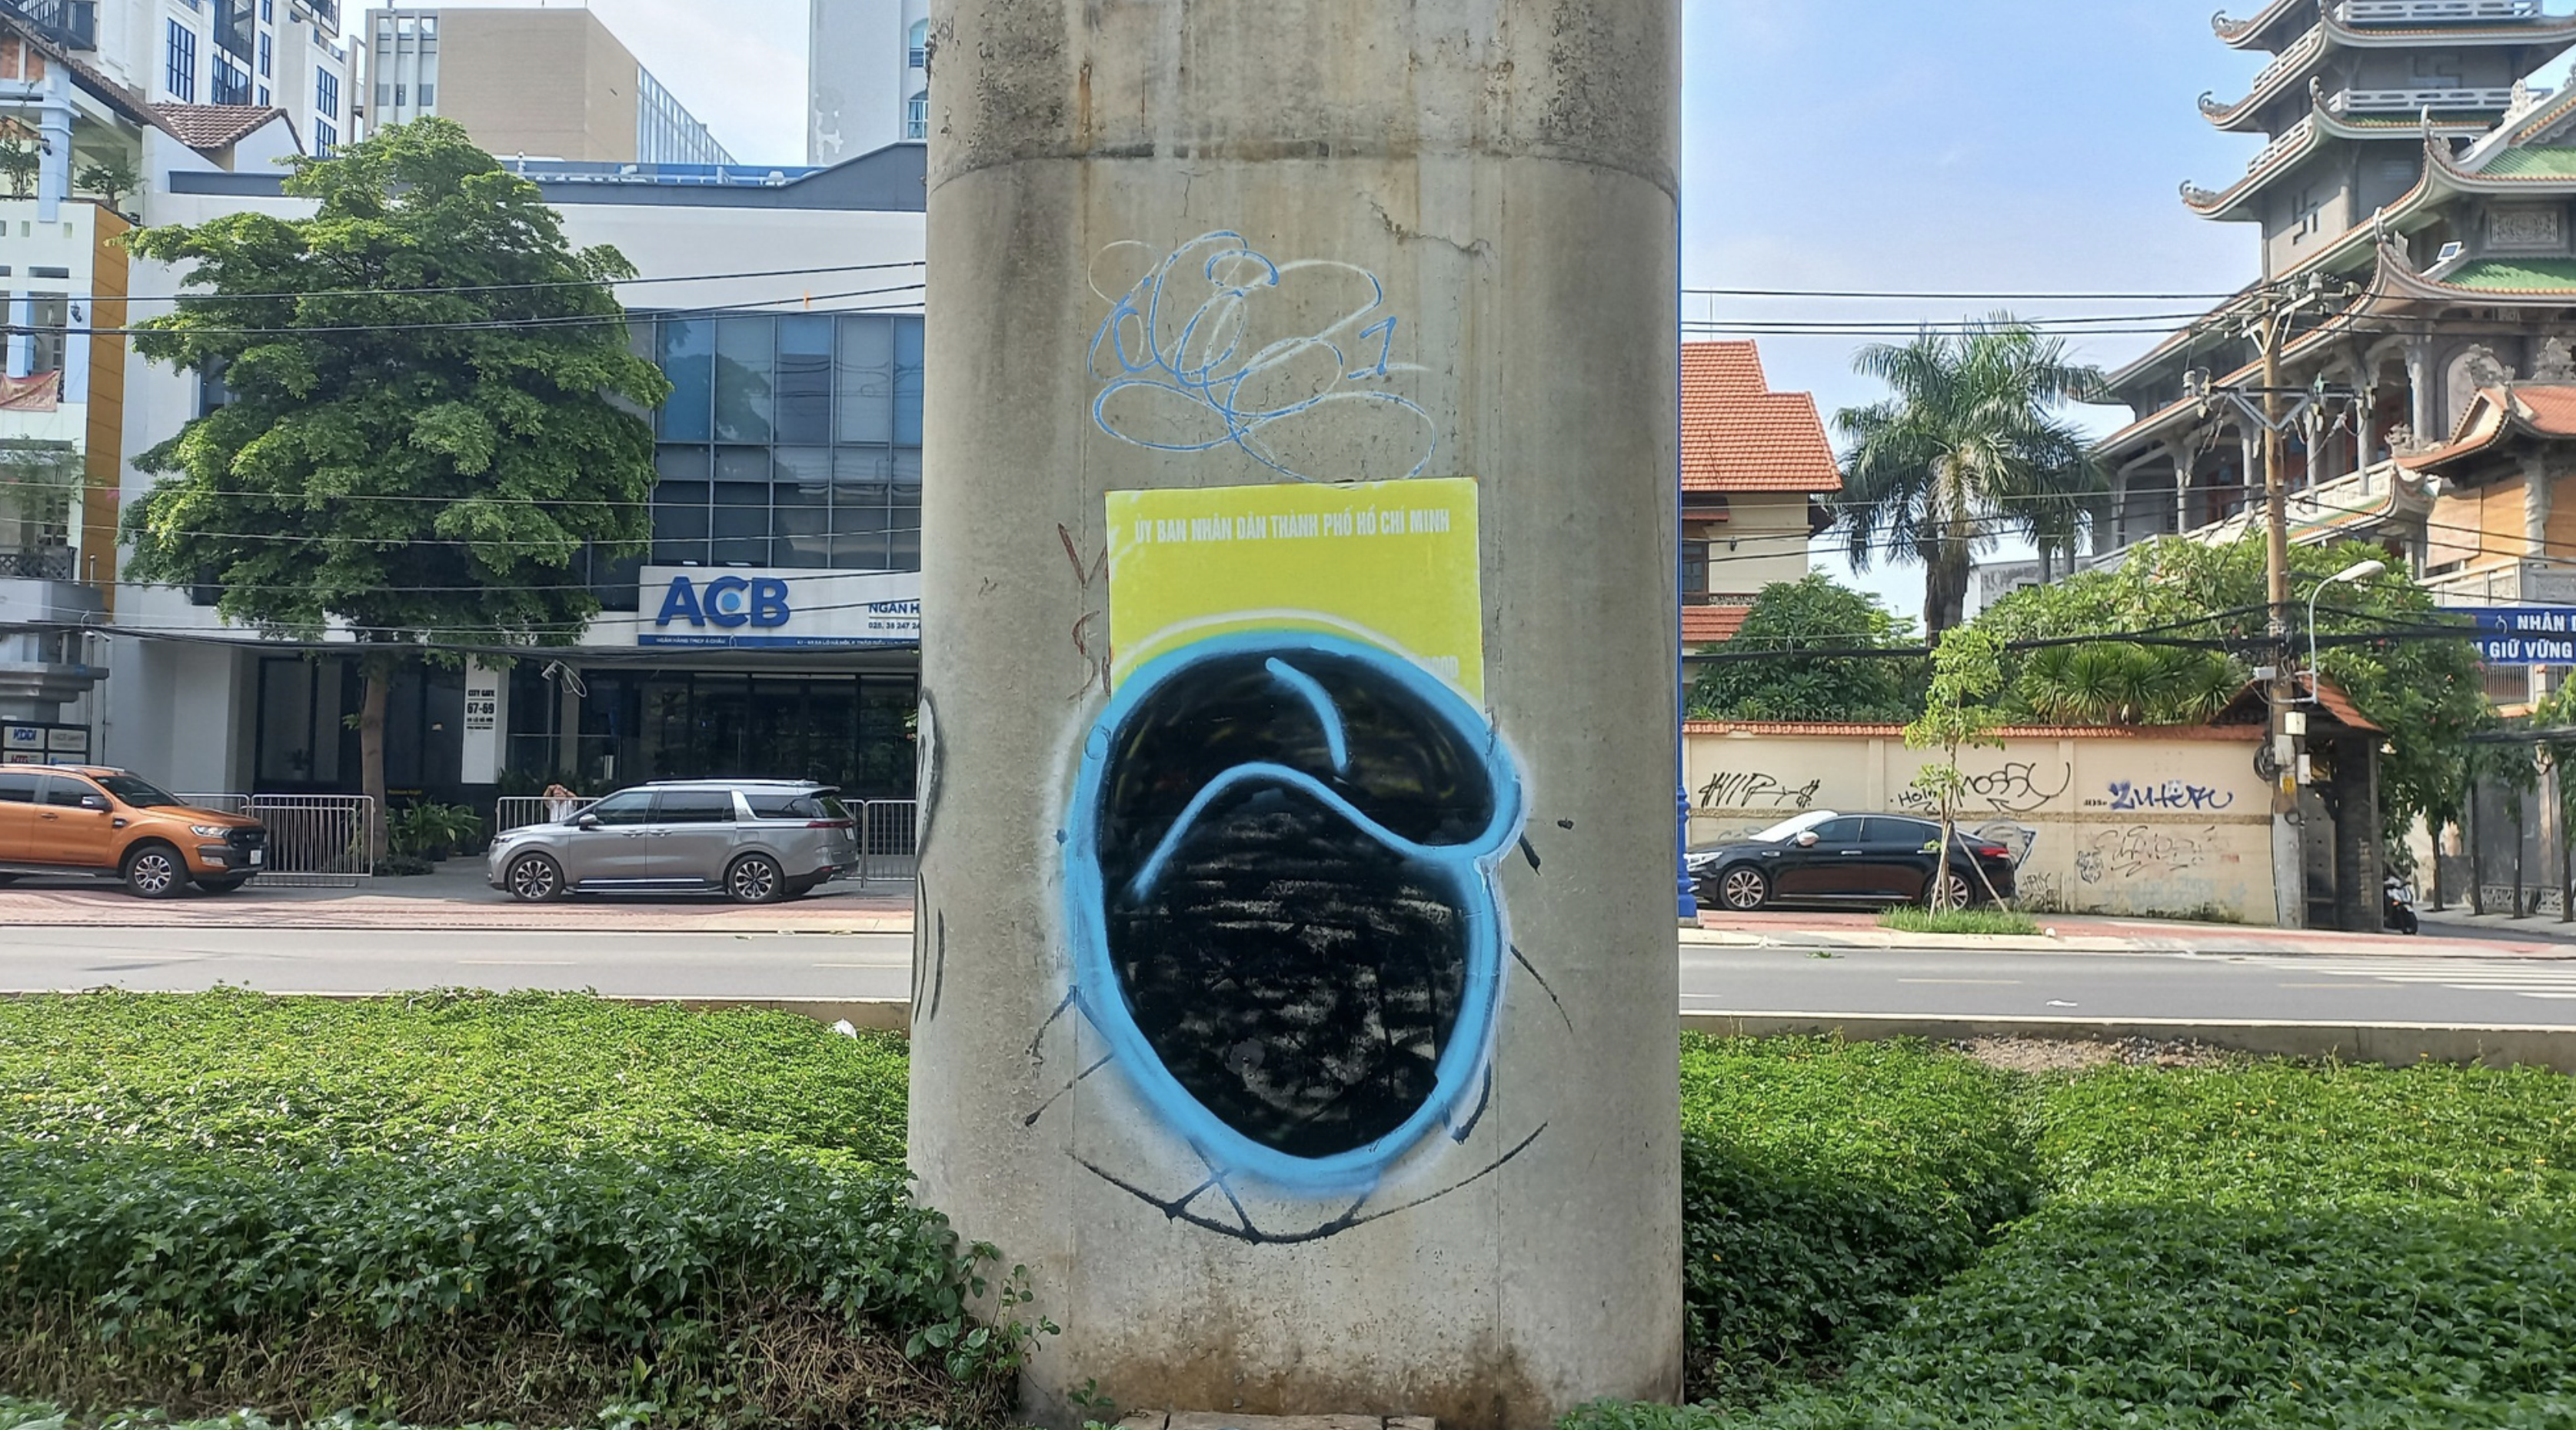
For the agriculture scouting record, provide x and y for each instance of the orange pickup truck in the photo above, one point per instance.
(110, 824)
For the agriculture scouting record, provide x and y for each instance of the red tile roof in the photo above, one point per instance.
(1740, 436)
(215, 126)
(1712, 625)
(2541, 409)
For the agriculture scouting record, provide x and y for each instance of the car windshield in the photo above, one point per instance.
(141, 794)
(1789, 829)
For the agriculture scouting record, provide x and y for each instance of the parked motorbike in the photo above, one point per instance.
(2399, 913)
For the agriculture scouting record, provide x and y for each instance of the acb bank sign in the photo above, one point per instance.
(715, 608)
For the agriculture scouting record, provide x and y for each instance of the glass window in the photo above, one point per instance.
(67, 792)
(265, 71)
(326, 94)
(17, 789)
(864, 380)
(784, 806)
(680, 507)
(181, 69)
(326, 137)
(861, 493)
(742, 507)
(907, 382)
(746, 364)
(142, 794)
(713, 806)
(626, 809)
(1839, 831)
(805, 378)
(916, 116)
(918, 55)
(50, 316)
(688, 347)
(1914, 833)
(801, 507)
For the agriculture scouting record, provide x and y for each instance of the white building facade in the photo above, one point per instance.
(771, 630)
(869, 76)
(284, 54)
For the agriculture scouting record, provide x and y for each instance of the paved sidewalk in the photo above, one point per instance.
(455, 897)
(2095, 934)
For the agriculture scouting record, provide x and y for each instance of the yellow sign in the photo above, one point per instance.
(1393, 564)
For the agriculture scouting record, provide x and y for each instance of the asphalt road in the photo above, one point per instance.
(2344, 990)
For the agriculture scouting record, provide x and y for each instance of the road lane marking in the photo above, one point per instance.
(511, 963)
(1965, 982)
(2507, 979)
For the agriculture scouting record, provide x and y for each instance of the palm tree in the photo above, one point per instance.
(1966, 449)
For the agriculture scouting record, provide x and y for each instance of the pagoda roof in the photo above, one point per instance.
(2302, 142)
(2264, 30)
(2544, 410)
(2306, 57)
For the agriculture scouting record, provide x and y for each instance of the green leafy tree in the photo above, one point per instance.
(1959, 711)
(2427, 693)
(111, 179)
(1967, 447)
(434, 413)
(21, 164)
(1811, 615)
(2119, 683)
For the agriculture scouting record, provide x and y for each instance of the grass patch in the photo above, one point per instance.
(1905, 918)
(2249, 1248)
(463, 1208)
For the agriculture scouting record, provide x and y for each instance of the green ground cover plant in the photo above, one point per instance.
(458, 1208)
(1993, 922)
(2238, 1248)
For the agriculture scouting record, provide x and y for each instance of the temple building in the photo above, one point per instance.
(2416, 191)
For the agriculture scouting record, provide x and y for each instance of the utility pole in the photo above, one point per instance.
(2289, 847)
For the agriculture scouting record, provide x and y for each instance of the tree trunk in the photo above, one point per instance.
(1945, 590)
(378, 674)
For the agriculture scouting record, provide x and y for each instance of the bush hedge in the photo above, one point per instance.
(2246, 1248)
(463, 1208)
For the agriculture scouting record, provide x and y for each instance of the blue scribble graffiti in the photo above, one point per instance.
(1205, 352)
(2172, 795)
(1280, 868)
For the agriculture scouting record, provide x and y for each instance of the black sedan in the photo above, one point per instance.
(1827, 858)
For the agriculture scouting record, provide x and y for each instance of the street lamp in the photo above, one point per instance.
(2361, 572)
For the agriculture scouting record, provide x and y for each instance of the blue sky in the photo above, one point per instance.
(1968, 145)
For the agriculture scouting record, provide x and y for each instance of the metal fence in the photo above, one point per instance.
(887, 853)
(2510, 858)
(317, 840)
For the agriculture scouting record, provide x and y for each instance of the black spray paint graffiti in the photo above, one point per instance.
(2169, 797)
(2017, 788)
(2143, 852)
(1280, 871)
(1728, 789)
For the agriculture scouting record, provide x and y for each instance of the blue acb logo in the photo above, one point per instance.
(727, 603)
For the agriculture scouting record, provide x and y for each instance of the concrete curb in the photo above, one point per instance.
(1874, 940)
(2394, 1045)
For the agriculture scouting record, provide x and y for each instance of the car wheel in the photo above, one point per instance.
(222, 886)
(153, 871)
(1743, 890)
(755, 879)
(534, 879)
(1958, 892)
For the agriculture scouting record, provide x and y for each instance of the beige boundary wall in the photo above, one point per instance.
(2104, 821)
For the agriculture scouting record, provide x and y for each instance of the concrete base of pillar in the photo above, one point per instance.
(2290, 870)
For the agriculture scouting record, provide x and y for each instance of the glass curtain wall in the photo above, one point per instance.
(853, 732)
(790, 440)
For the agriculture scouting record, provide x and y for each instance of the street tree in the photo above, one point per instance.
(1960, 711)
(1770, 675)
(1968, 447)
(2383, 641)
(431, 417)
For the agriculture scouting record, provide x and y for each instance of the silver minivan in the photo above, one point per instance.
(756, 841)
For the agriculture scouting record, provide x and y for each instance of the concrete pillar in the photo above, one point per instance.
(1438, 239)
(2182, 491)
(2427, 401)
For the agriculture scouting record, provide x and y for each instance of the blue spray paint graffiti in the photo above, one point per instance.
(2128, 798)
(1205, 352)
(1280, 865)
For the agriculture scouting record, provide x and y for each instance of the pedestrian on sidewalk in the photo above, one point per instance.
(561, 804)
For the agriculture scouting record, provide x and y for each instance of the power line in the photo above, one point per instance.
(436, 290)
(621, 317)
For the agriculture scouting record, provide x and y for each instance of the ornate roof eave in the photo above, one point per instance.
(2249, 34)
(2311, 134)
(2300, 61)
(2183, 413)
(2542, 30)
(2439, 165)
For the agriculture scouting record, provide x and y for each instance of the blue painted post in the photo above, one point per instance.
(1688, 898)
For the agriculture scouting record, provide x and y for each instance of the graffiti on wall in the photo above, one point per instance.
(2165, 797)
(2144, 852)
(1754, 790)
(1216, 345)
(1281, 860)
(2019, 787)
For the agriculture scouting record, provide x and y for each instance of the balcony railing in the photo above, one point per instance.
(72, 24)
(2439, 99)
(2434, 12)
(51, 563)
